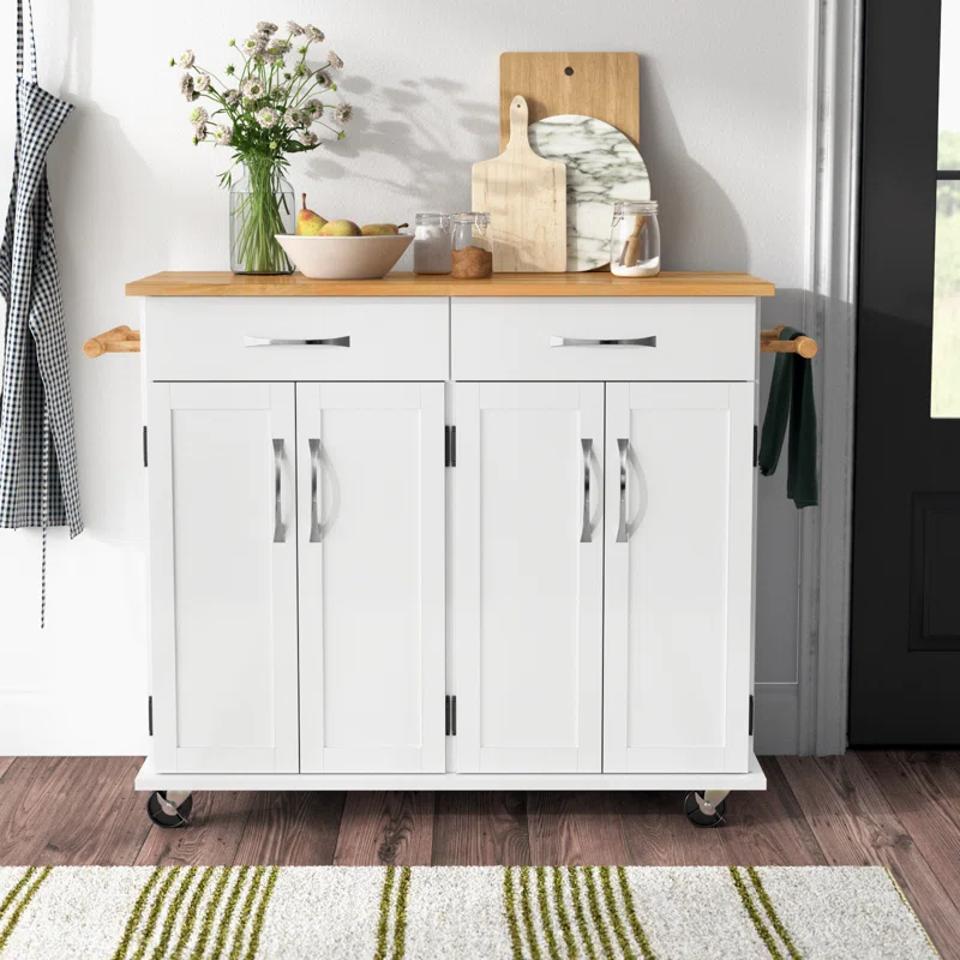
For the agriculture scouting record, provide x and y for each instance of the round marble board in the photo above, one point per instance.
(603, 166)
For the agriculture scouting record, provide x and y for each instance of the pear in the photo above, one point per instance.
(309, 223)
(339, 228)
(382, 229)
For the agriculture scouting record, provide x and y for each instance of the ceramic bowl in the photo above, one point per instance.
(344, 258)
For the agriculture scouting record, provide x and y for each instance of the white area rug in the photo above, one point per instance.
(467, 913)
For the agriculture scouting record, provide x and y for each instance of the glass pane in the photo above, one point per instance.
(945, 372)
(948, 149)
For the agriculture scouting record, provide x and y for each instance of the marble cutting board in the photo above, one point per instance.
(602, 166)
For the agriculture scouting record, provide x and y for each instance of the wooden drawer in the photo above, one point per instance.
(556, 338)
(357, 338)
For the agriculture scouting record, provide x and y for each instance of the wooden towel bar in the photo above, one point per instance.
(117, 340)
(770, 343)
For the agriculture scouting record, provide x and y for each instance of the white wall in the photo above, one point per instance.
(725, 102)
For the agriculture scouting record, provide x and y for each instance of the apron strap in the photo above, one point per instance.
(32, 70)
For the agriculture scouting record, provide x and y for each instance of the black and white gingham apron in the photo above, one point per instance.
(38, 463)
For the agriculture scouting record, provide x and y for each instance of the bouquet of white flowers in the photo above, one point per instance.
(274, 105)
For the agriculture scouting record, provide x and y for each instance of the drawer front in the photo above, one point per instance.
(349, 338)
(590, 339)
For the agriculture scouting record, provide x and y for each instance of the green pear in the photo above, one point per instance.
(339, 228)
(382, 229)
(309, 223)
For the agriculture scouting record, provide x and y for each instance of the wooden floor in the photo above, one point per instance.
(901, 810)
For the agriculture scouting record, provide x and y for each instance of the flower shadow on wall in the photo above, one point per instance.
(406, 128)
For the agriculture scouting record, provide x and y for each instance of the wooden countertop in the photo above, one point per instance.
(223, 284)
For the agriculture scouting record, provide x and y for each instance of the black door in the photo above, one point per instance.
(905, 630)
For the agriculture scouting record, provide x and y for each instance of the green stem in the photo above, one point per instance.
(257, 217)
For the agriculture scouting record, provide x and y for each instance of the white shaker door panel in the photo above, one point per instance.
(527, 567)
(371, 579)
(678, 594)
(223, 576)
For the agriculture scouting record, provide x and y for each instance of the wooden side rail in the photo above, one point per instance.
(770, 342)
(118, 340)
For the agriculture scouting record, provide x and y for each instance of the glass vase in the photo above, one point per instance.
(261, 205)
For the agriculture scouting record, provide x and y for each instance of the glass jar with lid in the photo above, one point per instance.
(431, 243)
(472, 253)
(635, 239)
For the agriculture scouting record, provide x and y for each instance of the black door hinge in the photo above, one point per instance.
(450, 715)
(150, 715)
(144, 445)
(756, 446)
(449, 446)
(750, 716)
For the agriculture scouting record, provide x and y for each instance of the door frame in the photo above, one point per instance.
(830, 312)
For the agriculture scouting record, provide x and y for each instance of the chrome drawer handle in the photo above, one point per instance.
(316, 459)
(603, 342)
(622, 532)
(586, 531)
(279, 527)
(306, 342)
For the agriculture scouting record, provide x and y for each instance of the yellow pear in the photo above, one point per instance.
(339, 228)
(309, 223)
(382, 229)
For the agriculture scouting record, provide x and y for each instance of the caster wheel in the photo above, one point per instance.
(166, 814)
(692, 807)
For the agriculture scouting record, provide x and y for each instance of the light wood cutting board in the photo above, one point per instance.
(601, 85)
(526, 197)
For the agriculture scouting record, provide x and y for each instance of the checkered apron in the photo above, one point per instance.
(38, 463)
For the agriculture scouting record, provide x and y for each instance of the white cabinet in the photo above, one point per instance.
(527, 549)
(223, 556)
(678, 575)
(370, 462)
(449, 542)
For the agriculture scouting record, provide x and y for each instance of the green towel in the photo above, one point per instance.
(791, 398)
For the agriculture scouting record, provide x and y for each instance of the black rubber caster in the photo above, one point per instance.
(695, 815)
(164, 814)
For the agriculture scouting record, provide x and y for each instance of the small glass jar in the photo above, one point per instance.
(431, 243)
(635, 239)
(472, 253)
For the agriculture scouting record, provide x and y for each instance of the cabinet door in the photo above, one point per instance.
(528, 554)
(223, 577)
(678, 589)
(370, 467)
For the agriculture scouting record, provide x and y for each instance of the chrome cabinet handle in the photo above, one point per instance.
(622, 533)
(279, 527)
(316, 458)
(306, 342)
(586, 531)
(602, 342)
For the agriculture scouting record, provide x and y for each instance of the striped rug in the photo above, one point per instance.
(466, 913)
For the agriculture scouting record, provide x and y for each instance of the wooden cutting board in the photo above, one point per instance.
(526, 197)
(601, 85)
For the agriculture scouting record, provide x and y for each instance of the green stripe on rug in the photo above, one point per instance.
(638, 932)
(546, 921)
(603, 934)
(17, 913)
(190, 919)
(170, 874)
(166, 930)
(383, 923)
(771, 912)
(526, 911)
(232, 900)
(245, 911)
(261, 913)
(563, 918)
(510, 908)
(400, 923)
(136, 914)
(209, 915)
(765, 935)
(615, 919)
(582, 926)
(15, 889)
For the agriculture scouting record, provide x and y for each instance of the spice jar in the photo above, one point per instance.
(472, 255)
(431, 243)
(635, 239)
